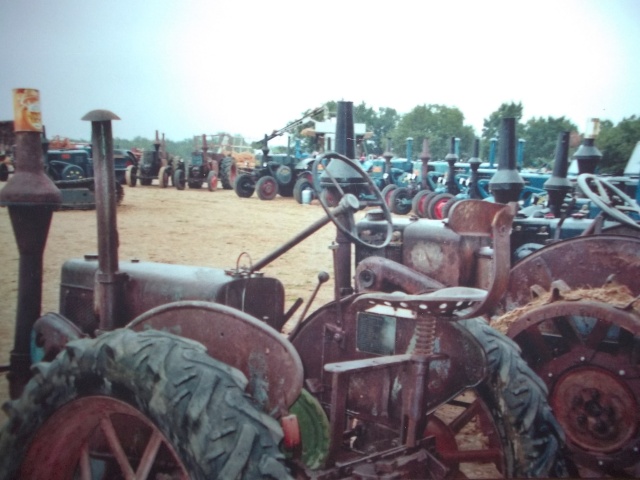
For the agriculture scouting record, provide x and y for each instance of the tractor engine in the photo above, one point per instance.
(426, 253)
(148, 284)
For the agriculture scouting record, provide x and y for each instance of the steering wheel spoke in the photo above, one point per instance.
(340, 202)
(610, 199)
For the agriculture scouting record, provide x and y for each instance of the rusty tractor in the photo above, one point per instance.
(206, 167)
(185, 372)
(570, 304)
(154, 164)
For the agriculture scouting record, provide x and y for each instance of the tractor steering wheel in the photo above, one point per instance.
(613, 201)
(347, 203)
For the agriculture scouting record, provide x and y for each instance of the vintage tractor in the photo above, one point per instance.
(154, 164)
(206, 167)
(570, 303)
(276, 174)
(185, 373)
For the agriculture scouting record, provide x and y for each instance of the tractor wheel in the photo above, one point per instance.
(436, 205)
(584, 345)
(244, 186)
(228, 172)
(519, 435)
(267, 188)
(4, 172)
(302, 183)
(212, 181)
(400, 199)
(447, 206)
(163, 177)
(144, 405)
(72, 172)
(131, 176)
(386, 193)
(119, 193)
(178, 179)
(420, 202)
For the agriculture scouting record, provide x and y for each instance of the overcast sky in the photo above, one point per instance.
(248, 67)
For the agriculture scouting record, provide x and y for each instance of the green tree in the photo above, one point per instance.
(541, 136)
(617, 144)
(438, 124)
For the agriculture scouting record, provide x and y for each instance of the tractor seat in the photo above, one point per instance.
(467, 217)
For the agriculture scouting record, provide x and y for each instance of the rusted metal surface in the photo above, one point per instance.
(586, 353)
(581, 262)
(269, 362)
(31, 198)
(109, 283)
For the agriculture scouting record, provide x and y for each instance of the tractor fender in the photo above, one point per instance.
(272, 366)
(585, 261)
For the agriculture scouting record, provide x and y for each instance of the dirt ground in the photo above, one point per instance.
(189, 227)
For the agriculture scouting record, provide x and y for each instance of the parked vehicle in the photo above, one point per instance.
(186, 374)
(275, 174)
(569, 304)
(206, 167)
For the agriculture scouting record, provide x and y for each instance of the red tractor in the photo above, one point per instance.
(570, 301)
(185, 373)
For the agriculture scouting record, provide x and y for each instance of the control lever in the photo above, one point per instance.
(323, 277)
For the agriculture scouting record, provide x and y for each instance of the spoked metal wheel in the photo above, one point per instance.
(503, 427)
(467, 440)
(145, 405)
(588, 353)
(101, 437)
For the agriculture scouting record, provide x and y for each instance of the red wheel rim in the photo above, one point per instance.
(103, 430)
(462, 418)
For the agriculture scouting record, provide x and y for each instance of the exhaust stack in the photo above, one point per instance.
(31, 197)
(109, 282)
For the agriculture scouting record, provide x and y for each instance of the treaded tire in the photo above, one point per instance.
(244, 185)
(517, 398)
(400, 201)
(179, 179)
(302, 183)
(194, 401)
(228, 172)
(267, 188)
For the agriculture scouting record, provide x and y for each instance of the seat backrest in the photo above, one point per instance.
(487, 219)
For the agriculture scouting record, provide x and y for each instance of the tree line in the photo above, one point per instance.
(439, 123)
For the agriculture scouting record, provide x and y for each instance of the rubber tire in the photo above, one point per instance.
(267, 188)
(517, 399)
(196, 402)
(178, 179)
(119, 193)
(163, 177)
(399, 199)
(420, 202)
(436, 201)
(228, 172)
(244, 186)
(131, 176)
(302, 183)
(212, 181)
(386, 193)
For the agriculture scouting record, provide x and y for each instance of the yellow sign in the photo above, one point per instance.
(26, 110)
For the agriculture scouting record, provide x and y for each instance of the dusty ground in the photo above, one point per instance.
(191, 227)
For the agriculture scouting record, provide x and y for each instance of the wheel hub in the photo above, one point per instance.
(596, 409)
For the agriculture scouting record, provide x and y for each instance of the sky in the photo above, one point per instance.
(248, 67)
